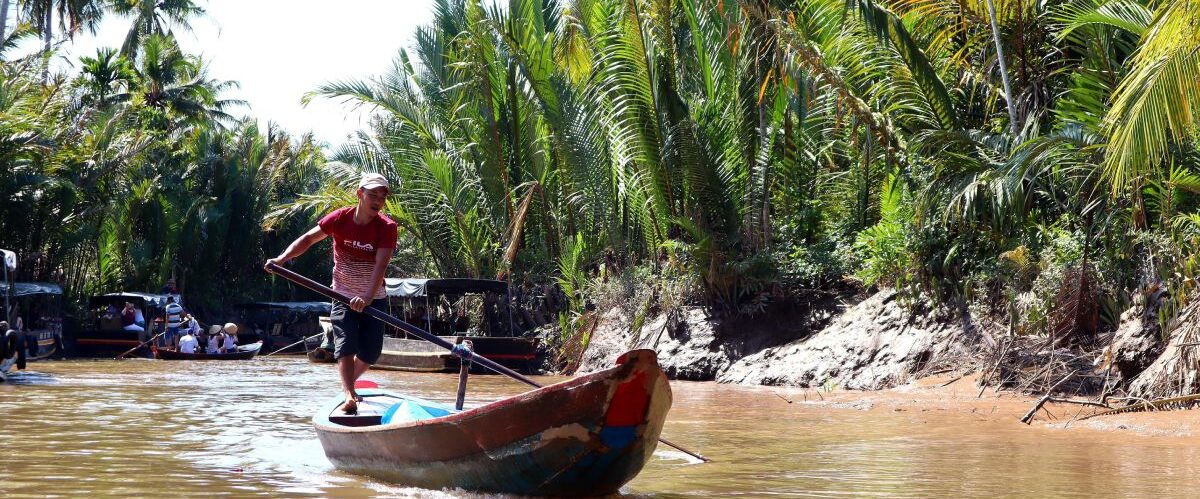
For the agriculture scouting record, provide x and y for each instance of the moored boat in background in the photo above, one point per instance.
(279, 324)
(103, 331)
(33, 312)
(439, 306)
(39, 304)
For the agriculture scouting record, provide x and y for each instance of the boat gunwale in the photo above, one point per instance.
(322, 423)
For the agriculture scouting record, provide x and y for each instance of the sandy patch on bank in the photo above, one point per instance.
(948, 396)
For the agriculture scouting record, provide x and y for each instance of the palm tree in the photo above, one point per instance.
(1157, 103)
(1014, 126)
(103, 75)
(177, 86)
(4, 17)
(74, 16)
(154, 17)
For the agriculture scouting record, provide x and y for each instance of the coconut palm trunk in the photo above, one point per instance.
(3, 18)
(1008, 95)
(48, 28)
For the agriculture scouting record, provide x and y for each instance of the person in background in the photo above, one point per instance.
(188, 343)
(129, 318)
(214, 339)
(139, 318)
(203, 339)
(5, 334)
(170, 290)
(230, 338)
(18, 325)
(193, 327)
(174, 314)
(110, 312)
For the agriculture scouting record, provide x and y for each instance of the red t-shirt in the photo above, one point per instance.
(354, 248)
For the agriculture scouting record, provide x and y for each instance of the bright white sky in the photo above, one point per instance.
(279, 49)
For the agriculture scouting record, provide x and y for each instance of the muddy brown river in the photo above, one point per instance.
(140, 428)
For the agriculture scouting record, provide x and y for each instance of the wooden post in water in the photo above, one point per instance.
(463, 369)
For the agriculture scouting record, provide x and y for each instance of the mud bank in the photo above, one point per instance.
(880, 354)
(869, 345)
(954, 396)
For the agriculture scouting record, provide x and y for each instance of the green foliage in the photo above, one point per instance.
(721, 147)
(572, 278)
(883, 248)
(135, 174)
(818, 266)
(885, 255)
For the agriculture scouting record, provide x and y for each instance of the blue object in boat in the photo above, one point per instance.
(408, 411)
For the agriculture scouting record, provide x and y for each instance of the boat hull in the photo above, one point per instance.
(42, 344)
(583, 437)
(245, 352)
(100, 342)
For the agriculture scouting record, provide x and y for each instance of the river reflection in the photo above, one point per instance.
(139, 428)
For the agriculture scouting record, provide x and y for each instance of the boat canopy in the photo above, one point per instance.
(149, 299)
(412, 288)
(309, 307)
(32, 288)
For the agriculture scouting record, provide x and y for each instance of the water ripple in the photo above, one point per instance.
(140, 428)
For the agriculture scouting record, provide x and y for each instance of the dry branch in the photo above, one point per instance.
(1028, 417)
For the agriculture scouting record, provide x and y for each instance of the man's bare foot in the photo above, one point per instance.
(350, 406)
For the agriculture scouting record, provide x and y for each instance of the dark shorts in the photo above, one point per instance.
(356, 333)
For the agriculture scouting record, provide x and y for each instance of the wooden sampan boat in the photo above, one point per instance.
(582, 437)
(245, 352)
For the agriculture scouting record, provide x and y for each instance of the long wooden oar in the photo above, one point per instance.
(292, 345)
(127, 352)
(425, 335)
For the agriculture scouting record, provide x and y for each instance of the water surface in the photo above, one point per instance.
(139, 428)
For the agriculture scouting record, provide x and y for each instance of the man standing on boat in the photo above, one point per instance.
(174, 313)
(363, 242)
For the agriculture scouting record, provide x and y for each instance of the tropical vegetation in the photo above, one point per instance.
(130, 171)
(1033, 159)
(1037, 161)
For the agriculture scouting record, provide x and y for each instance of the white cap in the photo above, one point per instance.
(372, 181)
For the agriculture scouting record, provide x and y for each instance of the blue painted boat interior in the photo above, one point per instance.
(402, 408)
(407, 411)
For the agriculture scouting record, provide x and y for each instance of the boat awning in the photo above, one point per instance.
(153, 300)
(309, 307)
(32, 288)
(411, 288)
